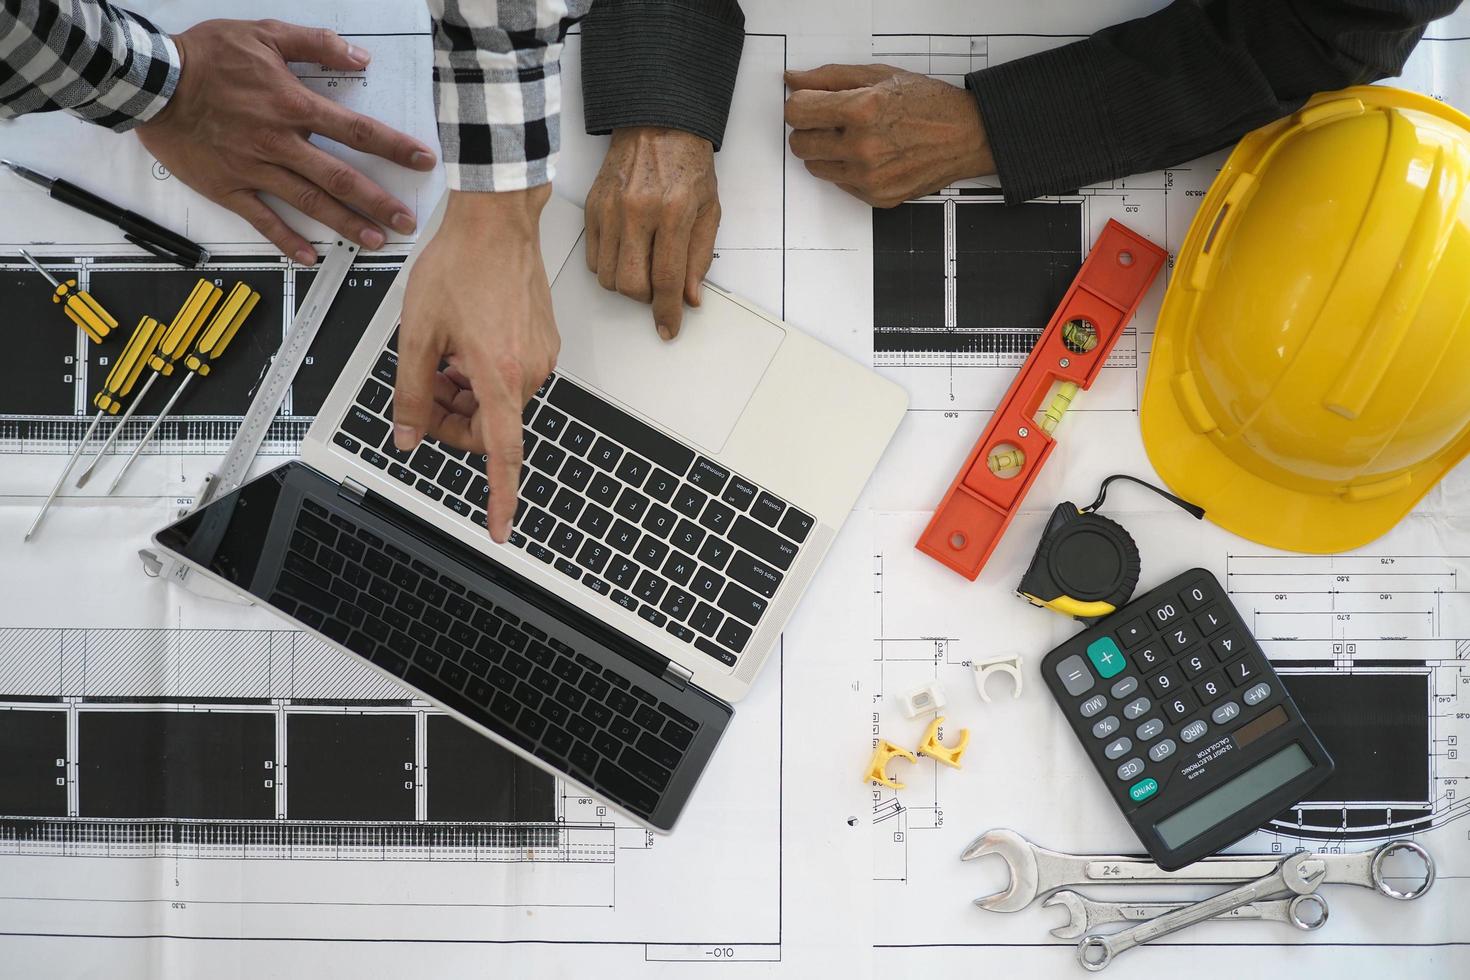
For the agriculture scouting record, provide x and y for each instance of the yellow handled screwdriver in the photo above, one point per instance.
(177, 340)
(212, 343)
(80, 307)
(119, 384)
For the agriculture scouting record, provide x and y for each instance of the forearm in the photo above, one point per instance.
(497, 89)
(87, 57)
(1163, 89)
(669, 63)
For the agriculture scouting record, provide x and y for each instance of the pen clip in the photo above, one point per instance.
(159, 250)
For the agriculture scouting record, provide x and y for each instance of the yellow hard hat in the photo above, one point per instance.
(1310, 376)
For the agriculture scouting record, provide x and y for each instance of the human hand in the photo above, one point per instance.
(652, 214)
(478, 298)
(883, 134)
(238, 124)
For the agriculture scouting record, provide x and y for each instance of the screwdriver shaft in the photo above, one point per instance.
(116, 430)
(56, 489)
(179, 391)
(38, 267)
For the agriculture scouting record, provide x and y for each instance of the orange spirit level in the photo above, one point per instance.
(1001, 468)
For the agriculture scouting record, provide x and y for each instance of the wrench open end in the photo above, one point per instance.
(1020, 858)
(1076, 923)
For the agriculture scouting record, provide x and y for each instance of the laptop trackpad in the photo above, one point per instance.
(696, 385)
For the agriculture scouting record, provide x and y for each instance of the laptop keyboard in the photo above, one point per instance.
(433, 631)
(632, 514)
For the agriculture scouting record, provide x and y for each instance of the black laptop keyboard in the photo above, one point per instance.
(434, 632)
(610, 502)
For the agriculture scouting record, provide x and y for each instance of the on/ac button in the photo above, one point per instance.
(1143, 789)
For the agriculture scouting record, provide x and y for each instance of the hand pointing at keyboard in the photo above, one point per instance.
(478, 299)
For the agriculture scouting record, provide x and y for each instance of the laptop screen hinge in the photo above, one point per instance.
(352, 490)
(678, 675)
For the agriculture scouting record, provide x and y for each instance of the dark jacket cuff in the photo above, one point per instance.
(1048, 130)
(661, 63)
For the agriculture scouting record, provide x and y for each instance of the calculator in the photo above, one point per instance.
(1184, 718)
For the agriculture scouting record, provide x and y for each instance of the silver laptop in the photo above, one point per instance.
(676, 500)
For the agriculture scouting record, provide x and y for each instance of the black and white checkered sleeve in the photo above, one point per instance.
(97, 61)
(497, 88)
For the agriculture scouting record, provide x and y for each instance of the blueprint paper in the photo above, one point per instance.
(786, 864)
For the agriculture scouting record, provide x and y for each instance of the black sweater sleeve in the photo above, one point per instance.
(1191, 78)
(661, 63)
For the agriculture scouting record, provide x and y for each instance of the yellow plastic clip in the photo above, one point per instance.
(878, 766)
(943, 754)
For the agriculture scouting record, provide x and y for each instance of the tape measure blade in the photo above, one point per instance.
(331, 273)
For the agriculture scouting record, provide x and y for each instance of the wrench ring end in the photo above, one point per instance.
(1314, 901)
(1393, 847)
(1094, 944)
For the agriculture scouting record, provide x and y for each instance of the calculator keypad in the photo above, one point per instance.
(1179, 670)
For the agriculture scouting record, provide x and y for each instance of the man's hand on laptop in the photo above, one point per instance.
(652, 214)
(478, 299)
(239, 125)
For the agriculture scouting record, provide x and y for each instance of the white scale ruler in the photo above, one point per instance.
(253, 429)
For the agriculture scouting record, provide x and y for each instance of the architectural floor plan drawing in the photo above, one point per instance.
(202, 791)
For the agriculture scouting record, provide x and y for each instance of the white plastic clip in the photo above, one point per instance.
(922, 700)
(1010, 664)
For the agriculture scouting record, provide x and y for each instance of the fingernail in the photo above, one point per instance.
(421, 160)
(405, 437)
(402, 222)
(664, 332)
(305, 257)
(359, 55)
(372, 238)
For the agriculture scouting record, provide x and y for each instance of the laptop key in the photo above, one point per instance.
(633, 470)
(631, 504)
(677, 603)
(717, 517)
(649, 587)
(623, 537)
(659, 751)
(568, 569)
(386, 368)
(660, 520)
(594, 556)
(479, 492)
(576, 474)
(715, 552)
(708, 476)
(426, 461)
(679, 568)
(754, 574)
(549, 422)
(652, 615)
(638, 436)
(375, 458)
(596, 584)
(763, 543)
(677, 735)
(605, 453)
(621, 571)
(548, 457)
(706, 584)
(557, 740)
(767, 509)
(365, 426)
(539, 552)
(374, 396)
(595, 521)
(582, 757)
(538, 489)
(680, 631)
(689, 500)
(577, 438)
(661, 485)
(719, 653)
(346, 442)
(429, 490)
(740, 494)
(567, 505)
(650, 551)
(644, 768)
(455, 477)
(739, 601)
(603, 489)
(796, 525)
(706, 619)
(401, 473)
(625, 787)
(538, 524)
(734, 634)
(624, 600)
(565, 540)
(688, 536)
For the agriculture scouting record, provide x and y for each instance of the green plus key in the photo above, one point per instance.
(1106, 658)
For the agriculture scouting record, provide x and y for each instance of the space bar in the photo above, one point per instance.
(643, 439)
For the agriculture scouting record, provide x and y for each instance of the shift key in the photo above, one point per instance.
(763, 543)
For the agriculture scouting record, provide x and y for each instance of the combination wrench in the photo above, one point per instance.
(1305, 912)
(1300, 874)
(1036, 871)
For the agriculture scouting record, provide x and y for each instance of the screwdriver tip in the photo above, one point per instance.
(82, 480)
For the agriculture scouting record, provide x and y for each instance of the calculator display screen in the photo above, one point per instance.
(1245, 789)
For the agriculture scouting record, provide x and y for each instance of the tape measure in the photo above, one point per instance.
(272, 392)
(1086, 566)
